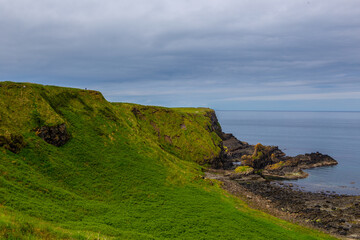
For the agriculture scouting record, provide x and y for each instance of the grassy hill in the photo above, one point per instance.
(127, 172)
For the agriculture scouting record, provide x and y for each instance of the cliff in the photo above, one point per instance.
(75, 166)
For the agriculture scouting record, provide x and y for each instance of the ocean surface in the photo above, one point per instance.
(333, 133)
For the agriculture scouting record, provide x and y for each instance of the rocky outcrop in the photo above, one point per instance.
(313, 160)
(269, 161)
(291, 167)
(235, 149)
(13, 142)
(262, 156)
(55, 135)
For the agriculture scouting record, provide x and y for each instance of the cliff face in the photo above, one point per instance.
(214, 123)
(190, 134)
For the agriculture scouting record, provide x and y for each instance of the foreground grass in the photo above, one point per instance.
(129, 172)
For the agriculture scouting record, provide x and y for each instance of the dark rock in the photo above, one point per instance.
(343, 233)
(291, 167)
(214, 123)
(218, 162)
(307, 205)
(13, 142)
(313, 160)
(55, 135)
(235, 149)
(270, 160)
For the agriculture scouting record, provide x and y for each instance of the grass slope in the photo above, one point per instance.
(128, 172)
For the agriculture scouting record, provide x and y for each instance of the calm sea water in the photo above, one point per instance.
(334, 133)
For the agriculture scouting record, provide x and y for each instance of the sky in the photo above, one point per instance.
(224, 54)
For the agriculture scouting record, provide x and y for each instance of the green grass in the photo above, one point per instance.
(243, 169)
(191, 110)
(121, 176)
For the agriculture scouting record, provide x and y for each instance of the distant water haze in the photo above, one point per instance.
(334, 133)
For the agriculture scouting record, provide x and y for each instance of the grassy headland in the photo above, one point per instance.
(127, 172)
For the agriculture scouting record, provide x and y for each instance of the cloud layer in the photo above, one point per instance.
(224, 54)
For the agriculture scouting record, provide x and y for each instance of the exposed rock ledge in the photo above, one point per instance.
(55, 135)
(269, 161)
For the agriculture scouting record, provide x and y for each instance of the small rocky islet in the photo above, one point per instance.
(250, 172)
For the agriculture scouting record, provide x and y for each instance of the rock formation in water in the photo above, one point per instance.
(270, 161)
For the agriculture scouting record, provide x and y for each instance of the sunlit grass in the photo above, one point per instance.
(118, 177)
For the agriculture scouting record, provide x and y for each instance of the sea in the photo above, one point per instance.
(336, 134)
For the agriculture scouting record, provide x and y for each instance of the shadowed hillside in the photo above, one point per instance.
(74, 166)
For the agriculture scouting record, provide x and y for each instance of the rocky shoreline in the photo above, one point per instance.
(336, 214)
(269, 161)
(250, 172)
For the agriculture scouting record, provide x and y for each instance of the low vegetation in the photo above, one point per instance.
(126, 172)
(244, 169)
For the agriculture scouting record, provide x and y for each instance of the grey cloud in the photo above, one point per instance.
(243, 47)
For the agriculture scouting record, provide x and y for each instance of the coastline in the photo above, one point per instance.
(334, 133)
(336, 214)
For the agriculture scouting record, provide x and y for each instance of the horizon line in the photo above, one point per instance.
(354, 111)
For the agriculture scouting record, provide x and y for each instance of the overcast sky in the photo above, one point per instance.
(224, 54)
